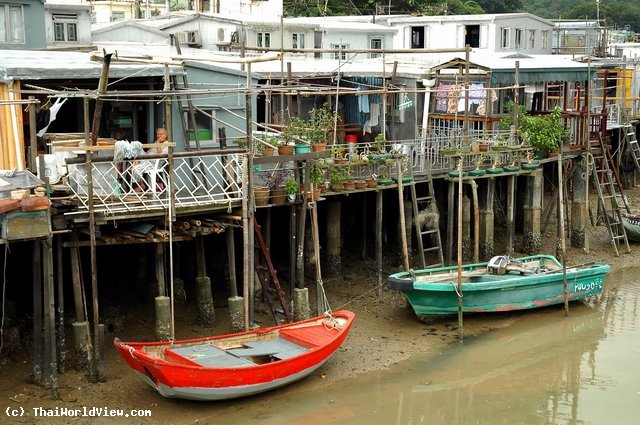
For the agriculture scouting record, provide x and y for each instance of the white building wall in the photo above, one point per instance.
(83, 22)
(266, 8)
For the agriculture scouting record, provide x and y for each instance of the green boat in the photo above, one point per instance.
(502, 284)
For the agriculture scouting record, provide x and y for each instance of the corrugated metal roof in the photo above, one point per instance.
(43, 64)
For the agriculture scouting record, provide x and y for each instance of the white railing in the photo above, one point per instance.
(204, 180)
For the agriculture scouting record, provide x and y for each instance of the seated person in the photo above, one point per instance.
(143, 166)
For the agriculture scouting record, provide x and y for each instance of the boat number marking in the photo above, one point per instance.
(588, 286)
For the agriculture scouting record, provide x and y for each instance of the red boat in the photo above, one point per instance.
(240, 364)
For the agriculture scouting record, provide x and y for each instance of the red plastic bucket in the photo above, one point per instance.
(351, 138)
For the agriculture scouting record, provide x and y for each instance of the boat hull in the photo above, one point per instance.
(178, 377)
(484, 292)
(631, 225)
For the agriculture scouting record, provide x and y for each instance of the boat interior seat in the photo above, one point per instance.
(277, 348)
(208, 356)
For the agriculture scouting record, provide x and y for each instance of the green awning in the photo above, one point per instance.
(538, 75)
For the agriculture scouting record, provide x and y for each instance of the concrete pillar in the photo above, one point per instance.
(486, 218)
(333, 265)
(82, 345)
(204, 298)
(301, 308)
(236, 313)
(579, 208)
(532, 213)
(179, 295)
(163, 317)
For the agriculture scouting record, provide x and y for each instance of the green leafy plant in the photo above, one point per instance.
(320, 125)
(291, 186)
(544, 133)
(316, 173)
(336, 175)
(293, 131)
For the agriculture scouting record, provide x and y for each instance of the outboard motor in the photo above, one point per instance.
(502, 264)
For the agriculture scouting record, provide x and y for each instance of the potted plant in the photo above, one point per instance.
(544, 133)
(372, 182)
(336, 178)
(348, 179)
(266, 144)
(384, 172)
(275, 182)
(291, 188)
(319, 127)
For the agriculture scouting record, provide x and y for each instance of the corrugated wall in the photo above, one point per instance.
(12, 155)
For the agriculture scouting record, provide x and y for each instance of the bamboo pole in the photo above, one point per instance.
(459, 288)
(403, 234)
(561, 230)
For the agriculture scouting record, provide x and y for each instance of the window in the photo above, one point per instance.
(375, 43)
(519, 39)
(505, 40)
(532, 39)
(65, 27)
(11, 24)
(117, 16)
(417, 38)
(340, 55)
(264, 39)
(472, 35)
(545, 39)
(297, 41)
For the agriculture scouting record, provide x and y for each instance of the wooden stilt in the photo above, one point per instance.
(231, 254)
(159, 265)
(293, 245)
(403, 234)
(76, 279)
(50, 356)
(379, 241)
(460, 322)
(62, 349)
(451, 204)
(476, 221)
(561, 234)
(37, 313)
(511, 212)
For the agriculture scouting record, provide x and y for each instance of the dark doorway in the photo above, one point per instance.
(417, 37)
(472, 35)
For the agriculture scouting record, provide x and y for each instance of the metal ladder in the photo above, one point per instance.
(267, 273)
(610, 196)
(629, 136)
(429, 240)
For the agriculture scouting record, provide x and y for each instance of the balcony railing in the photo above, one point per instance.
(206, 179)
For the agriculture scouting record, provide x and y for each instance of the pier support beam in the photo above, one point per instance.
(487, 228)
(579, 208)
(163, 317)
(532, 213)
(333, 259)
(236, 313)
(204, 298)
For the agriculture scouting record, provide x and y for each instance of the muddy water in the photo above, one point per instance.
(544, 368)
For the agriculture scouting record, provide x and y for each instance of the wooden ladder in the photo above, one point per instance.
(610, 196)
(629, 137)
(267, 273)
(429, 240)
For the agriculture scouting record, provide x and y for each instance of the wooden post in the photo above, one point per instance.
(487, 220)
(403, 234)
(579, 208)
(476, 221)
(231, 254)
(561, 231)
(33, 142)
(459, 290)
(333, 259)
(293, 245)
(50, 356)
(62, 352)
(511, 212)
(379, 241)
(451, 204)
(302, 222)
(37, 312)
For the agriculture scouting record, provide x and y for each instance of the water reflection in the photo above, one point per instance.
(543, 369)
